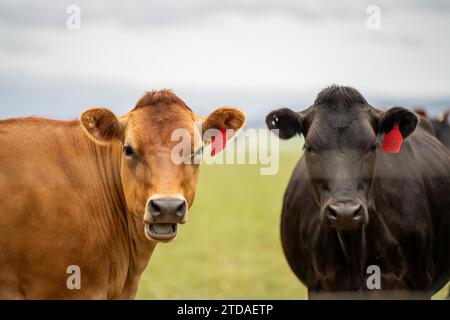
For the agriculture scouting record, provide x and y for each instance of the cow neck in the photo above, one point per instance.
(131, 226)
(353, 246)
(358, 252)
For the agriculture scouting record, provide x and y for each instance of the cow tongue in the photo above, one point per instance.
(162, 228)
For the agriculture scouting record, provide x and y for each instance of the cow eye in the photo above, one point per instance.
(373, 147)
(128, 150)
(308, 148)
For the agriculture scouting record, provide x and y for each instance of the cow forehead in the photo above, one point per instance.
(156, 125)
(333, 128)
(162, 118)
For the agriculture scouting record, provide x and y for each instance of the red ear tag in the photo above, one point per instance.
(217, 146)
(392, 140)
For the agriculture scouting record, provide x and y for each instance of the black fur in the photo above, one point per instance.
(405, 198)
(337, 96)
(286, 121)
(407, 121)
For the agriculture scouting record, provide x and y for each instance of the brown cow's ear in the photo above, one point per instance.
(406, 120)
(287, 122)
(225, 118)
(101, 125)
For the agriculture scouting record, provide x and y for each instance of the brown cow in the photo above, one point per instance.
(95, 194)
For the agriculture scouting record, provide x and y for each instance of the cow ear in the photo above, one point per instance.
(443, 116)
(287, 122)
(101, 125)
(407, 121)
(225, 118)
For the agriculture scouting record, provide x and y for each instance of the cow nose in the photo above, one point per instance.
(345, 215)
(167, 208)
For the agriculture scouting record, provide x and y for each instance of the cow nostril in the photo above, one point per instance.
(345, 215)
(154, 208)
(331, 213)
(181, 209)
(164, 209)
(342, 211)
(358, 213)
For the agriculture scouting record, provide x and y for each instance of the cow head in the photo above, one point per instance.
(342, 140)
(156, 188)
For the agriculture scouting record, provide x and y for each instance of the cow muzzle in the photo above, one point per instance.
(345, 214)
(162, 216)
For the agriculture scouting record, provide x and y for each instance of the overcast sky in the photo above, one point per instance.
(257, 55)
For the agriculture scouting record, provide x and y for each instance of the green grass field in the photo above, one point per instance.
(230, 248)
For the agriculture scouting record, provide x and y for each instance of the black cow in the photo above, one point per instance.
(350, 207)
(440, 125)
(442, 128)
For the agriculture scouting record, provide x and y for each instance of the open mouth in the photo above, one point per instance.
(161, 231)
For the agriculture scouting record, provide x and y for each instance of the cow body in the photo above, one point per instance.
(439, 125)
(63, 205)
(407, 237)
(442, 129)
(97, 194)
(407, 230)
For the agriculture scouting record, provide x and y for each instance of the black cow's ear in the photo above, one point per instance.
(406, 120)
(287, 122)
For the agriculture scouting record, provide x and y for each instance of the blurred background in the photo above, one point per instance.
(254, 55)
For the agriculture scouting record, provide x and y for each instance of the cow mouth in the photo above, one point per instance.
(161, 231)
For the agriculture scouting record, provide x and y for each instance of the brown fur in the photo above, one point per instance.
(101, 125)
(70, 196)
(224, 118)
(165, 97)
